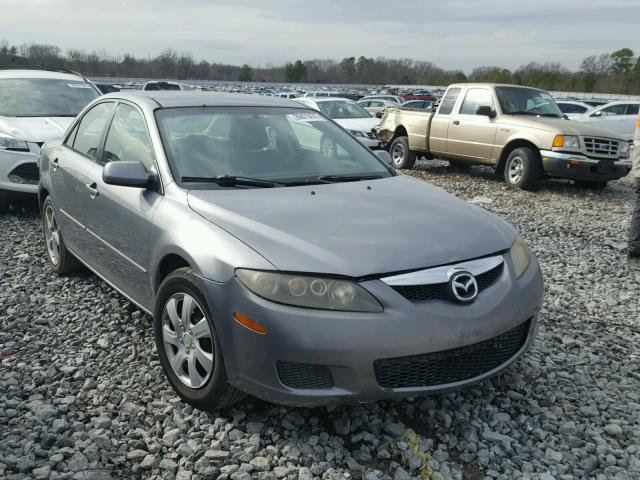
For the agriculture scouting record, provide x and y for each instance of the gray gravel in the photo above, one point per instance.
(83, 396)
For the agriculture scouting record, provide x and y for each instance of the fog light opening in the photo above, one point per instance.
(248, 323)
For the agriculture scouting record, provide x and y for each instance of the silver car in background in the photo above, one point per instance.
(275, 268)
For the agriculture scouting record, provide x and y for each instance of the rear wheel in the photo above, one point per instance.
(401, 155)
(522, 169)
(188, 344)
(60, 259)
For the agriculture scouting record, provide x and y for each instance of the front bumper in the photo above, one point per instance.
(579, 167)
(18, 171)
(347, 344)
(371, 143)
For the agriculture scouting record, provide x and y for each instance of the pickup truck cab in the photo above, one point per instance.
(518, 130)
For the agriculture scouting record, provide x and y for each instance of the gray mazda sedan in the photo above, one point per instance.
(281, 258)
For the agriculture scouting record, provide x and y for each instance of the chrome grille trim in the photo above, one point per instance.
(442, 274)
(601, 146)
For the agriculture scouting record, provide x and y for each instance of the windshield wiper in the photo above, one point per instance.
(349, 178)
(522, 113)
(233, 181)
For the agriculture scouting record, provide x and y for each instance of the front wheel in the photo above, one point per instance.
(188, 344)
(522, 169)
(401, 155)
(60, 259)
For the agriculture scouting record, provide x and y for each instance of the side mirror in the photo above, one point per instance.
(486, 111)
(384, 156)
(596, 114)
(378, 114)
(126, 174)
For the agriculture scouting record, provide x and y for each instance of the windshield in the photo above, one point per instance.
(43, 97)
(287, 145)
(527, 101)
(339, 109)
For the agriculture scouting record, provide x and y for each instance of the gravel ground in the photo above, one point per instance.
(83, 396)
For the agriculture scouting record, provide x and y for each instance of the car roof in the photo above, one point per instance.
(35, 73)
(331, 99)
(174, 99)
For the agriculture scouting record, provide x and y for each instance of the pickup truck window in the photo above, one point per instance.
(448, 101)
(527, 101)
(474, 99)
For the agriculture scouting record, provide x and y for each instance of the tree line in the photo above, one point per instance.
(616, 72)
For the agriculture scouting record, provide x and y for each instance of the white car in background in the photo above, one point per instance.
(376, 106)
(36, 105)
(349, 115)
(617, 117)
(573, 108)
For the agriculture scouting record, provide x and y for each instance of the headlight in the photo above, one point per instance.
(309, 292)
(11, 144)
(520, 256)
(357, 133)
(566, 141)
(624, 148)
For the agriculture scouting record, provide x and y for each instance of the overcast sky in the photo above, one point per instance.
(452, 34)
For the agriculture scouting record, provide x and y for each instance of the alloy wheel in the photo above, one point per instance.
(516, 170)
(187, 339)
(397, 154)
(52, 234)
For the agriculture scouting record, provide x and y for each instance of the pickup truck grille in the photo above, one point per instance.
(601, 146)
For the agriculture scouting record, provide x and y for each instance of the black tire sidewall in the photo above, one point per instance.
(405, 147)
(531, 166)
(185, 281)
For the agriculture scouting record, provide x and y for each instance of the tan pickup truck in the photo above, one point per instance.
(518, 130)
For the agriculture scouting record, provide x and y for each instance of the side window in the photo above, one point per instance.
(72, 136)
(90, 130)
(448, 101)
(614, 110)
(128, 138)
(365, 104)
(474, 99)
(632, 109)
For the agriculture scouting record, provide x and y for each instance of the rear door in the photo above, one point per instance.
(119, 218)
(69, 176)
(471, 136)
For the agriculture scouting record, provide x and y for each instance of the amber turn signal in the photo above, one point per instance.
(248, 323)
(558, 141)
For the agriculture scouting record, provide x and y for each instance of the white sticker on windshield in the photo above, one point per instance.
(306, 117)
(79, 85)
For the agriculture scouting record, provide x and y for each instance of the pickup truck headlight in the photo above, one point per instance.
(309, 292)
(520, 256)
(624, 148)
(357, 133)
(13, 145)
(566, 141)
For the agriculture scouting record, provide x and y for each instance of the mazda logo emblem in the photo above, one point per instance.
(463, 287)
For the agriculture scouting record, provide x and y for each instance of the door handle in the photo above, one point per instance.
(92, 189)
(55, 164)
(456, 122)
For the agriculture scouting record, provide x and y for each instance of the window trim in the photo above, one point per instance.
(102, 137)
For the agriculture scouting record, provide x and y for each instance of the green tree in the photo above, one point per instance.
(245, 74)
(622, 60)
(295, 72)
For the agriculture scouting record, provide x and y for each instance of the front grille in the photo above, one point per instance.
(371, 135)
(601, 146)
(25, 173)
(438, 291)
(449, 366)
(304, 375)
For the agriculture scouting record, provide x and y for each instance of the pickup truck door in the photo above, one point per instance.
(471, 136)
(441, 120)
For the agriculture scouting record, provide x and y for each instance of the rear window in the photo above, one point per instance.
(449, 101)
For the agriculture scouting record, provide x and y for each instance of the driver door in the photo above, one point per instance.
(118, 217)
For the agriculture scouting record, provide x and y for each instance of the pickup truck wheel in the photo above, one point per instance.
(60, 259)
(593, 185)
(522, 169)
(188, 343)
(400, 154)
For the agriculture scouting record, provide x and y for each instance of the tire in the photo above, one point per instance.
(591, 184)
(522, 169)
(184, 340)
(60, 259)
(402, 157)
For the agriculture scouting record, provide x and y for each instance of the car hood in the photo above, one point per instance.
(360, 124)
(356, 228)
(560, 126)
(35, 129)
